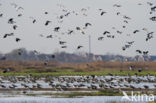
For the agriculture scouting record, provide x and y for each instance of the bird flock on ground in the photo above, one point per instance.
(12, 21)
(92, 82)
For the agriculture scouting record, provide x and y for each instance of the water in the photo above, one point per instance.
(93, 99)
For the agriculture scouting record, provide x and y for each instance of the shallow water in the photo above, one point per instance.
(94, 99)
(47, 99)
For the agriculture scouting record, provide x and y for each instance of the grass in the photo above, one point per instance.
(78, 73)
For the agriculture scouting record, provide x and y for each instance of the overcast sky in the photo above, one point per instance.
(29, 33)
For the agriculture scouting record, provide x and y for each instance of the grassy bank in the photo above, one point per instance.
(79, 73)
(80, 94)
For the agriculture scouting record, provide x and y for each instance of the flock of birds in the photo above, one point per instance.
(66, 13)
(62, 83)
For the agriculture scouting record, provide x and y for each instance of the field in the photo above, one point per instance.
(92, 68)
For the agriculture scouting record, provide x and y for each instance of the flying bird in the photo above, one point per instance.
(139, 51)
(70, 31)
(34, 20)
(45, 12)
(106, 32)
(18, 39)
(88, 24)
(49, 36)
(103, 12)
(131, 42)
(100, 38)
(47, 23)
(15, 27)
(136, 31)
(153, 18)
(150, 3)
(62, 42)
(153, 8)
(116, 5)
(78, 28)
(5, 36)
(19, 15)
(56, 29)
(63, 46)
(19, 8)
(126, 17)
(1, 15)
(79, 47)
(118, 13)
(11, 21)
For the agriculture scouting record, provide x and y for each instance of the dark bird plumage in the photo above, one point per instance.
(5, 36)
(15, 27)
(139, 51)
(47, 23)
(103, 12)
(106, 32)
(18, 39)
(136, 31)
(11, 21)
(88, 24)
(49, 36)
(79, 47)
(56, 29)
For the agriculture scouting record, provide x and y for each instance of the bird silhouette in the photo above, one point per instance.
(79, 47)
(149, 36)
(45, 12)
(88, 24)
(18, 39)
(102, 13)
(1, 15)
(6, 35)
(126, 17)
(119, 32)
(56, 29)
(136, 31)
(49, 36)
(116, 5)
(11, 21)
(33, 20)
(153, 8)
(100, 38)
(47, 23)
(153, 18)
(118, 13)
(63, 46)
(131, 42)
(149, 3)
(19, 15)
(139, 51)
(145, 52)
(14, 27)
(70, 31)
(106, 32)
(6, 70)
(62, 42)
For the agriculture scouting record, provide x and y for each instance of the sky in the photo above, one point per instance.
(29, 33)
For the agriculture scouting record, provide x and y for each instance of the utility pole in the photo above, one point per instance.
(89, 48)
